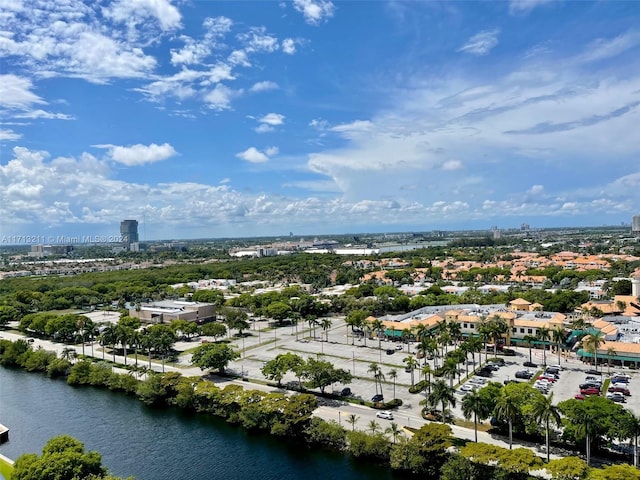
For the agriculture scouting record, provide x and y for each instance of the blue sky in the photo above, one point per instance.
(229, 119)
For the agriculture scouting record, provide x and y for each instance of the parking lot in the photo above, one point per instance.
(573, 374)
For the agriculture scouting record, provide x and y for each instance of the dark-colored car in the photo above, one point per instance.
(530, 364)
(377, 398)
(346, 392)
(593, 372)
(524, 374)
(623, 390)
(390, 351)
(589, 385)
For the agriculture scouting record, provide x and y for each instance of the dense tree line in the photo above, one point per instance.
(423, 451)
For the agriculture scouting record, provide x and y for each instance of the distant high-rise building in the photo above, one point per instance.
(635, 225)
(129, 232)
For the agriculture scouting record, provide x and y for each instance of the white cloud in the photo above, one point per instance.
(220, 97)
(15, 92)
(264, 128)
(536, 190)
(272, 119)
(134, 12)
(481, 43)
(257, 40)
(9, 135)
(264, 86)
(138, 154)
(289, 46)
(253, 155)
(603, 48)
(523, 7)
(451, 165)
(42, 114)
(314, 11)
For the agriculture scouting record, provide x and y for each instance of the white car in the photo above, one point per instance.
(387, 415)
(467, 388)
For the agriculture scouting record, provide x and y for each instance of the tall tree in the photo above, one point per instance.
(442, 394)
(545, 412)
(543, 334)
(476, 405)
(507, 409)
(558, 335)
(529, 342)
(592, 342)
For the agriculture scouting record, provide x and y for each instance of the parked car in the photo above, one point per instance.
(589, 385)
(387, 415)
(530, 364)
(390, 351)
(524, 374)
(507, 382)
(593, 372)
(619, 380)
(590, 391)
(617, 389)
(579, 396)
(468, 387)
(378, 397)
(346, 392)
(398, 346)
(616, 397)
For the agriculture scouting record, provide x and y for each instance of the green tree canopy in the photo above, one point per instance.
(214, 356)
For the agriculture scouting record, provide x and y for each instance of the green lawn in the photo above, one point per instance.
(5, 469)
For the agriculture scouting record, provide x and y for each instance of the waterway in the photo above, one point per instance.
(152, 444)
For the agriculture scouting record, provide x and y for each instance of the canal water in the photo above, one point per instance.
(151, 444)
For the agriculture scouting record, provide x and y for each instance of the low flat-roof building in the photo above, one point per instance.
(167, 310)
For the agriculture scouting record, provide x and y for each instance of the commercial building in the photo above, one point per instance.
(167, 310)
(635, 225)
(129, 232)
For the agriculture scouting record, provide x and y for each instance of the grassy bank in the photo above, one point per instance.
(5, 468)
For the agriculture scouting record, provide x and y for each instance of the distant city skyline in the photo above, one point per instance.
(241, 119)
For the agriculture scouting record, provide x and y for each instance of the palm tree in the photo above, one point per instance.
(352, 420)
(529, 341)
(124, 337)
(110, 337)
(426, 373)
(393, 430)
(498, 326)
(442, 394)
(543, 334)
(545, 412)
(450, 369)
(558, 335)
(592, 343)
(393, 375)
(375, 369)
(507, 409)
(412, 363)
(136, 342)
(611, 353)
(455, 331)
(475, 346)
(421, 332)
(325, 324)
(484, 330)
(374, 427)
(476, 405)
(378, 327)
(631, 429)
(67, 354)
(587, 426)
